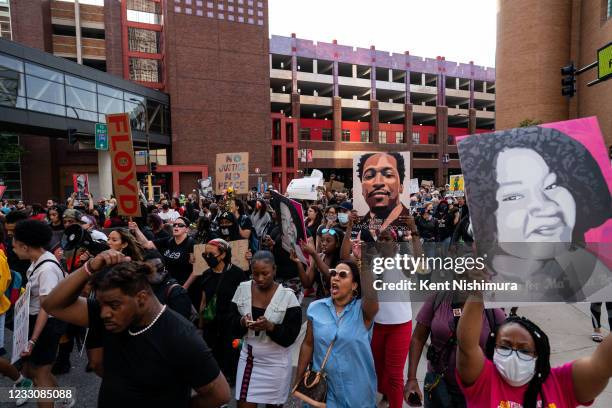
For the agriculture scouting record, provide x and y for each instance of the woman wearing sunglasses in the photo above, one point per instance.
(318, 270)
(515, 370)
(177, 250)
(346, 318)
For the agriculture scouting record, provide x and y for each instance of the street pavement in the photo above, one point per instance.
(567, 326)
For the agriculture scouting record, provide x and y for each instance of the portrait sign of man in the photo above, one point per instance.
(381, 189)
(538, 197)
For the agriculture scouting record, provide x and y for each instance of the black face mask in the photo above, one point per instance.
(211, 260)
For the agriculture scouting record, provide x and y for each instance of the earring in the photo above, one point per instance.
(355, 293)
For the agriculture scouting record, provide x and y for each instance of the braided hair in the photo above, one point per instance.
(542, 366)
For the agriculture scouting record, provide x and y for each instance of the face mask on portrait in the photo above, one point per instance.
(515, 371)
(343, 218)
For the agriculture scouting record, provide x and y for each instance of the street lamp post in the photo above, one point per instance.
(147, 126)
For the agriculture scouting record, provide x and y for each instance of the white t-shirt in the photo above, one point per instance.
(98, 235)
(42, 280)
(171, 215)
(397, 312)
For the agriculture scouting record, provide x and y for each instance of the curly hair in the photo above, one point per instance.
(399, 159)
(129, 277)
(574, 166)
(542, 366)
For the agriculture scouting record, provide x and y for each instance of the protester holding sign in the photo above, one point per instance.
(45, 330)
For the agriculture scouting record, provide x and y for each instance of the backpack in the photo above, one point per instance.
(14, 289)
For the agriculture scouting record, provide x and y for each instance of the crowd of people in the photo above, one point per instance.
(162, 333)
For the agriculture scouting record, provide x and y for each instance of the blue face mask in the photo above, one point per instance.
(342, 218)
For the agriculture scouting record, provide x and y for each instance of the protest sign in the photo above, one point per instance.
(366, 167)
(21, 321)
(123, 165)
(334, 185)
(292, 223)
(457, 185)
(239, 249)
(540, 206)
(414, 186)
(305, 188)
(232, 170)
(205, 187)
(80, 184)
(427, 183)
(2, 190)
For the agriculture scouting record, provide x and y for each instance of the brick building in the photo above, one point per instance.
(232, 88)
(534, 40)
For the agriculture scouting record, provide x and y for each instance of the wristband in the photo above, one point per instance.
(86, 267)
(32, 342)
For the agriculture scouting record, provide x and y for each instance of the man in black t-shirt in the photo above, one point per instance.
(153, 357)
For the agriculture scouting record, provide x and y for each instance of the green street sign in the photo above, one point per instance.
(604, 62)
(101, 136)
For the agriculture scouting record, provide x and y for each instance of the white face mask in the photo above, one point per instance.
(343, 218)
(515, 371)
(225, 231)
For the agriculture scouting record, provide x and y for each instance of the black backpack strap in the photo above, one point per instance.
(168, 290)
(44, 262)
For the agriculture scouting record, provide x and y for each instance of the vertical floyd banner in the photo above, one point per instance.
(232, 170)
(123, 164)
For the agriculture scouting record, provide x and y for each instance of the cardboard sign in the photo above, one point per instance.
(232, 170)
(239, 249)
(427, 183)
(334, 185)
(457, 185)
(414, 186)
(21, 321)
(80, 184)
(123, 164)
(305, 188)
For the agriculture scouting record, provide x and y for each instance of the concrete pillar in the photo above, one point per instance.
(423, 79)
(442, 140)
(336, 91)
(374, 121)
(484, 86)
(472, 121)
(456, 83)
(77, 27)
(315, 68)
(337, 112)
(105, 175)
(408, 118)
(471, 106)
(354, 69)
(390, 75)
(295, 105)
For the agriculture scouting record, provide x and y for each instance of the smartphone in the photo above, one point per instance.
(414, 400)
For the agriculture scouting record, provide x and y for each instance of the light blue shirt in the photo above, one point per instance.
(350, 370)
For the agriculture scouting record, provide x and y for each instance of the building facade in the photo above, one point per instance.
(232, 88)
(531, 49)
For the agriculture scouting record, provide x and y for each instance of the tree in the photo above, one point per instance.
(10, 151)
(529, 122)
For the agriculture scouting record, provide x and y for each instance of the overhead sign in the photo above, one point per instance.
(604, 62)
(101, 136)
(232, 171)
(123, 164)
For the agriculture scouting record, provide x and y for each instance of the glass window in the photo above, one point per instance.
(80, 83)
(365, 136)
(382, 136)
(416, 137)
(346, 135)
(137, 117)
(399, 137)
(44, 73)
(109, 105)
(11, 63)
(290, 157)
(45, 96)
(328, 135)
(142, 17)
(609, 8)
(305, 134)
(112, 92)
(83, 101)
(11, 87)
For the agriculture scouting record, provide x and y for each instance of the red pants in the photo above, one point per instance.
(390, 344)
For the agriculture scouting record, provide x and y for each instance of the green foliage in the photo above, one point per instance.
(530, 122)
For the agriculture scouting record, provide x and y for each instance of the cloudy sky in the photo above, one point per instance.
(460, 30)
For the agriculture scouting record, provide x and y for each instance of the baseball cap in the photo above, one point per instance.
(72, 214)
(347, 205)
(226, 215)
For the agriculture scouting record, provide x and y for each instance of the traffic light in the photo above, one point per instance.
(72, 136)
(568, 82)
(153, 167)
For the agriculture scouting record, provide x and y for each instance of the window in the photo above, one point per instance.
(609, 8)
(143, 40)
(305, 134)
(83, 102)
(10, 167)
(416, 138)
(290, 157)
(399, 137)
(365, 136)
(382, 136)
(45, 96)
(346, 135)
(328, 135)
(277, 156)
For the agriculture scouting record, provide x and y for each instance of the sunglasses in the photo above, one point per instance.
(340, 274)
(329, 231)
(179, 225)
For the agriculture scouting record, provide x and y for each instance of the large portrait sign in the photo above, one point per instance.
(540, 208)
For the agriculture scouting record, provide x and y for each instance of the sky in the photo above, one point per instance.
(460, 30)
